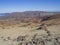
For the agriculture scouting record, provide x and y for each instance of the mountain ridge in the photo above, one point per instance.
(37, 14)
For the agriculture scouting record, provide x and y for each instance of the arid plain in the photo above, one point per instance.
(11, 30)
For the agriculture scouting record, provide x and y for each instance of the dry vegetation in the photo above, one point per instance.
(30, 31)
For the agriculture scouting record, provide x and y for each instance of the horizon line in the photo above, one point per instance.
(28, 11)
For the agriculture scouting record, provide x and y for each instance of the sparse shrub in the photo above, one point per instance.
(8, 38)
(19, 43)
(3, 27)
(20, 38)
(4, 39)
(14, 40)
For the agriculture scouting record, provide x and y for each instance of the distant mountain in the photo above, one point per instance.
(35, 14)
(31, 18)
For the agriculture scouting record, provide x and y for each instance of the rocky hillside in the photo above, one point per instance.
(29, 18)
(27, 14)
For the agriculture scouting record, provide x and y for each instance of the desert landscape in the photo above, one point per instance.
(30, 28)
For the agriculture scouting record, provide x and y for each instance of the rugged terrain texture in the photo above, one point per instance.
(30, 28)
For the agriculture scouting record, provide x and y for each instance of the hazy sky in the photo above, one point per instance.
(29, 5)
